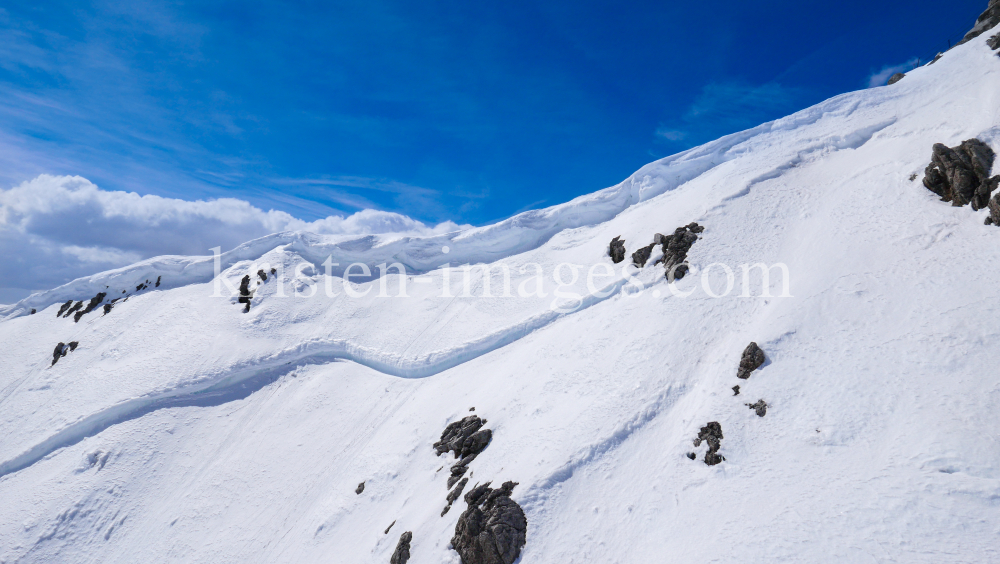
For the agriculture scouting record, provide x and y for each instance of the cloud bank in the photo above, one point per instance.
(57, 228)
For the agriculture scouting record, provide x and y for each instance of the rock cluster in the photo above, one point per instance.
(62, 349)
(94, 302)
(465, 437)
(752, 359)
(493, 529)
(711, 434)
(617, 250)
(640, 257)
(760, 407)
(402, 553)
(675, 249)
(960, 175)
(453, 495)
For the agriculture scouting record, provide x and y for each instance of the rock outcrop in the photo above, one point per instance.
(465, 437)
(402, 552)
(91, 306)
(760, 407)
(453, 495)
(62, 349)
(986, 21)
(675, 249)
(752, 359)
(960, 175)
(895, 78)
(245, 293)
(640, 257)
(711, 434)
(360, 488)
(493, 529)
(994, 42)
(994, 217)
(617, 250)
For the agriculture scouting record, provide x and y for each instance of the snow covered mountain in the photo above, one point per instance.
(195, 421)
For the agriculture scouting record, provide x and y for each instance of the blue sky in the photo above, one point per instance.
(467, 111)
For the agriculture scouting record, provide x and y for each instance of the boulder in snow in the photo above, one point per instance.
(640, 257)
(617, 250)
(675, 250)
(760, 407)
(994, 217)
(711, 434)
(493, 529)
(895, 78)
(960, 175)
(402, 553)
(752, 359)
(464, 437)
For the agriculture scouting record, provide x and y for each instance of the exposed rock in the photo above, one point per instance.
(960, 175)
(692, 455)
(62, 349)
(274, 271)
(94, 302)
(617, 250)
(389, 527)
(675, 249)
(760, 407)
(73, 309)
(459, 468)
(107, 308)
(711, 434)
(245, 293)
(986, 21)
(360, 488)
(640, 257)
(464, 437)
(158, 281)
(995, 210)
(33, 312)
(994, 42)
(895, 78)
(472, 409)
(751, 360)
(453, 495)
(493, 529)
(736, 390)
(262, 275)
(63, 308)
(402, 553)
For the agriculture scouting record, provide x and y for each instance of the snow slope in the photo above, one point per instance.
(183, 430)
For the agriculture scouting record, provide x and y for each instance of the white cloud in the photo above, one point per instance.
(881, 77)
(671, 134)
(56, 228)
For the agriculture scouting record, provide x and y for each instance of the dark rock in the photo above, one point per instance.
(158, 281)
(760, 407)
(274, 271)
(640, 257)
(94, 302)
(73, 344)
(985, 22)
(63, 308)
(711, 434)
(617, 250)
(895, 78)
(989, 221)
(245, 293)
(995, 209)
(389, 527)
(33, 312)
(493, 529)
(736, 390)
(675, 250)
(453, 495)
(73, 309)
(472, 409)
(751, 360)
(994, 42)
(464, 437)
(262, 275)
(402, 553)
(107, 308)
(960, 175)
(360, 488)
(692, 455)
(58, 353)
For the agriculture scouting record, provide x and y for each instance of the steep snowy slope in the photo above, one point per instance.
(182, 429)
